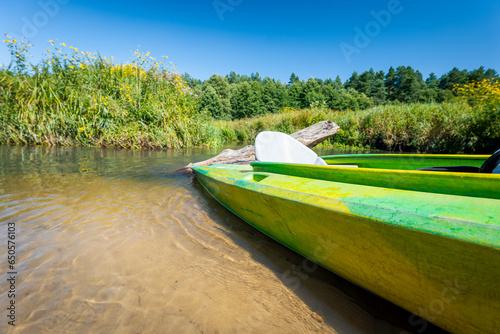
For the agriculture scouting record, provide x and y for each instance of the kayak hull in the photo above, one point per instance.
(440, 262)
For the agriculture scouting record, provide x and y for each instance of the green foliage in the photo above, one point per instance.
(209, 102)
(250, 96)
(431, 128)
(78, 98)
(242, 98)
(223, 90)
(483, 99)
(452, 78)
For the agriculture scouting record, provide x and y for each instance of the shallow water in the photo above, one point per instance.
(113, 241)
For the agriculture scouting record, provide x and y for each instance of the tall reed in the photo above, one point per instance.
(456, 127)
(75, 97)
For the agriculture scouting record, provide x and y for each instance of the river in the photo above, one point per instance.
(114, 241)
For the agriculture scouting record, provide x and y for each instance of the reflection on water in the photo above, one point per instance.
(114, 241)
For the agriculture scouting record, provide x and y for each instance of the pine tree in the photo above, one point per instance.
(295, 94)
(432, 82)
(209, 102)
(452, 78)
(312, 93)
(221, 86)
(233, 78)
(353, 81)
(378, 91)
(365, 82)
(390, 84)
(293, 79)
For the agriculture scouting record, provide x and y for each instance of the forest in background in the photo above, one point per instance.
(237, 96)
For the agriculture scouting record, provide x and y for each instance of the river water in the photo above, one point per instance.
(114, 241)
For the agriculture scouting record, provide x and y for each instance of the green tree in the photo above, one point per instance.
(430, 93)
(240, 99)
(409, 84)
(256, 77)
(378, 91)
(233, 78)
(295, 95)
(491, 74)
(334, 97)
(192, 82)
(312, 93)
(371, 84)
(338, 83)
(380, 75)
(365, 82)
(480, 74)
(390, 83)
(209, 102)
(293, 79)
(274, 96)
(281, 95)
(432, 82)
(452, 78)
(345, 99)
(246, 99)
(221, 86)
(353, 81)
(256, 99)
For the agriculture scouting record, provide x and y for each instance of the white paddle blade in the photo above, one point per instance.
(273, 146)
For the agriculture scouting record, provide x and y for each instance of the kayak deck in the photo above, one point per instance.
(481, 185)
(405, 161)
(433, 253)
(473, 219)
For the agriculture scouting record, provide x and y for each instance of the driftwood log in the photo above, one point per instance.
(310, 136)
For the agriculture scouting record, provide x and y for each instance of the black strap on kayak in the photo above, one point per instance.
(488, 166)
(456, 169)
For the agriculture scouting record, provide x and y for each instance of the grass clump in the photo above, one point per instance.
(75, 97)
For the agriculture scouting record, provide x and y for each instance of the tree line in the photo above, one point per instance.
(236, 96)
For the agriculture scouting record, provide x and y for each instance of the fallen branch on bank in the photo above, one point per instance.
(310, 136)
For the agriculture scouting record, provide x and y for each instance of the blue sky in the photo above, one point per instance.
(310, 38)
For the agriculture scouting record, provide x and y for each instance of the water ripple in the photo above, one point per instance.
(114, 241)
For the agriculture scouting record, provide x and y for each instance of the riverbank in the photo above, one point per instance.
(432, 128)
(78, 98)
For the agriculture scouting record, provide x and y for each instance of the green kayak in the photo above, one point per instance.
(425, 239)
